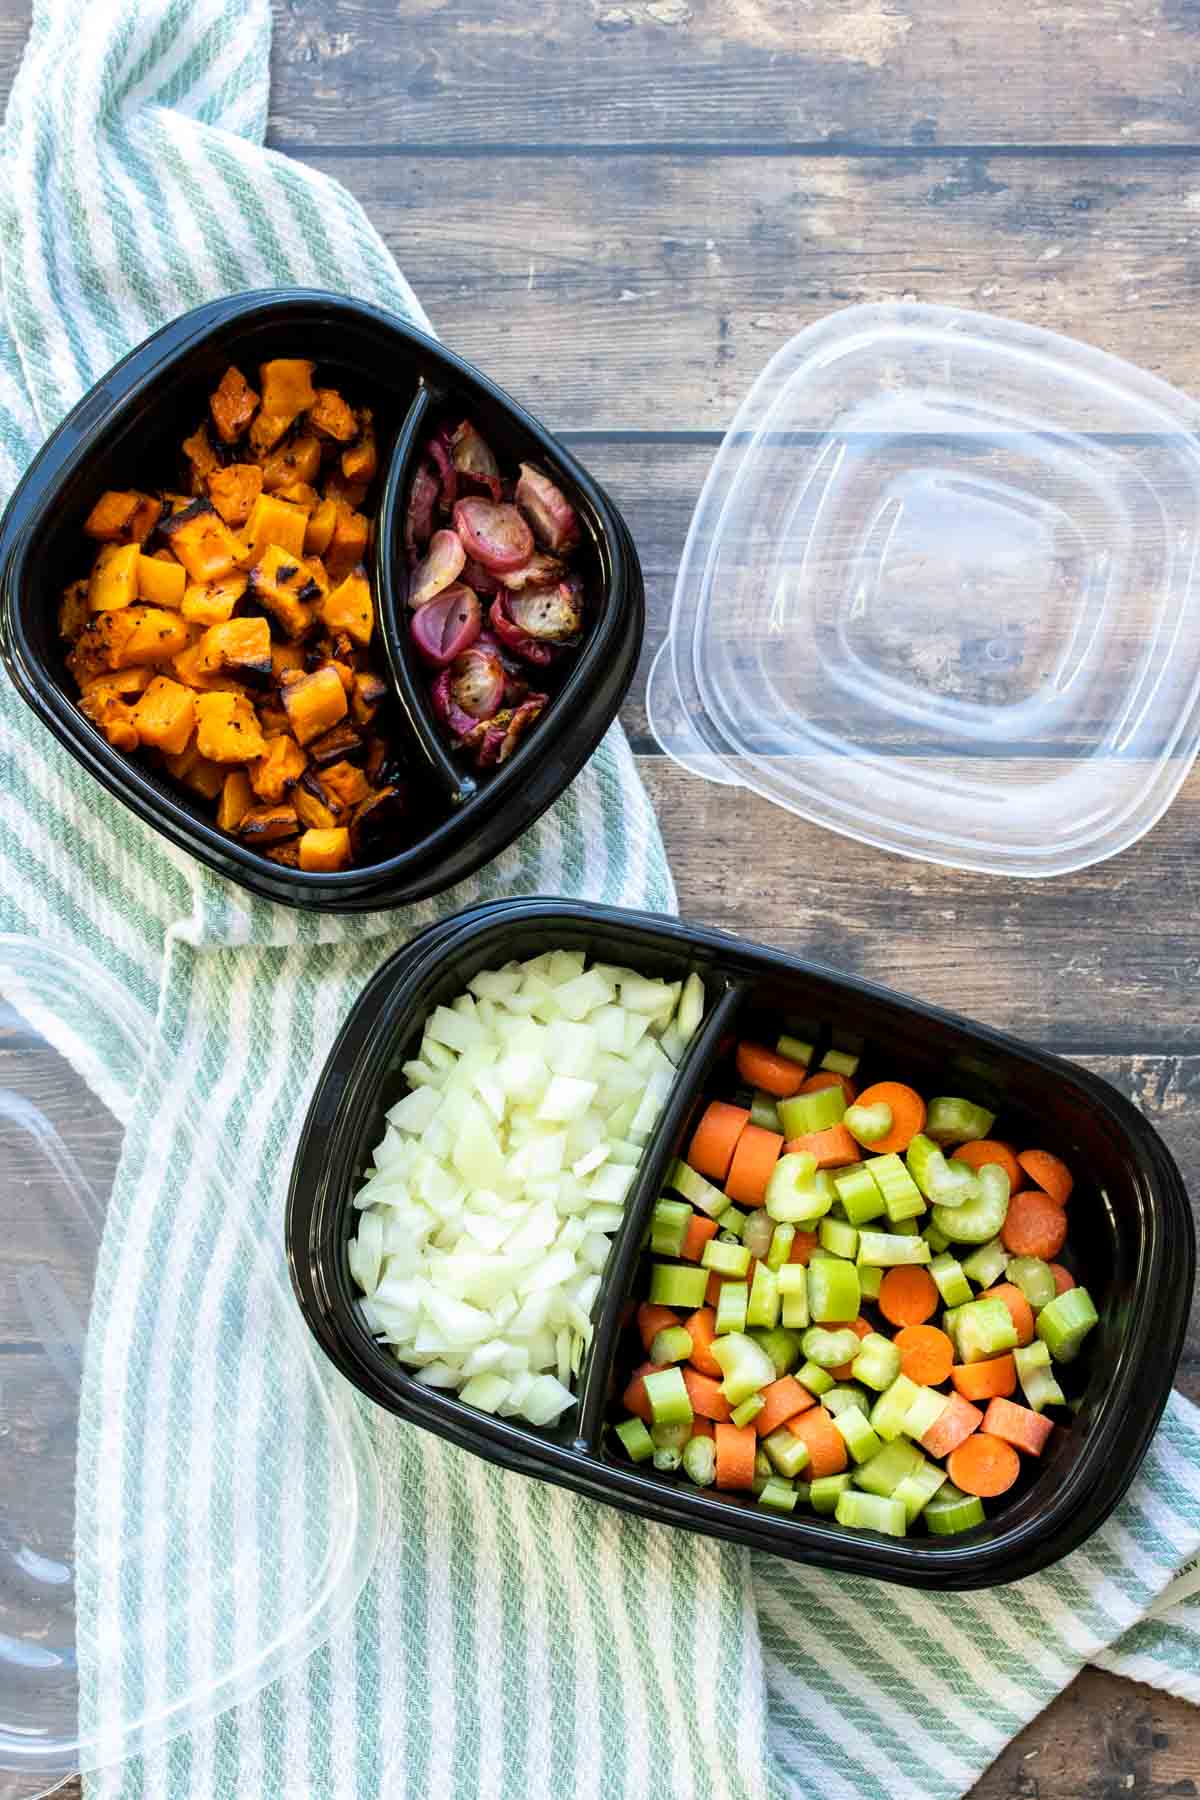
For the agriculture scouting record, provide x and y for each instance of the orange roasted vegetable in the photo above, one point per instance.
(114, 578)
(325, 850)
(233, 404)
(348, 607)
(165, 715)
(239, 647)
(314, 703)
(202, 541)
(227, 730)
(284, 585)
(280, 769)
(233, 491)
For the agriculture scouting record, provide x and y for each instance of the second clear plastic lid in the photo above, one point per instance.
(939, 593)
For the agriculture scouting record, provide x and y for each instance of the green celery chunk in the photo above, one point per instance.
(870, 1280)
(924, 1412)
(953, 1121)
(667, 1460)
(758, 1232)
(672, 1437)
(859, 1193)
(668, 1227)
(795, 1049)
(877, 1363)
(870, 1512)
(950, 1279)
(983, 1329)
(762, 1308)
(829, 1349)
(860, 1440)
(788, 1454)
(745, 1366)
(888, 1468)
(672, 1345)
(833, 1292)
(732, 1302)
(868, 1124)
(841, 1062)
(887, 1250)
(951, 1510)
(732, 1260)
(937, 1180)
(748, 1410)
(977, 1220)
(844, 1395)
(668, 1397)
(815, 1111)
(937, 1240)
(680, 1285)
(839, 1238)
(1035, 1279)
(824, 1493)
(782, 1239)
(702, 1194)
(781, 1345)
(778, 1496)
(1065, 1322)
(950, 1325)
(889, 1412)
(907, 1228)
(700, 1461)
(794, 1195)
(916, 1490)
(763, 1111)
(1036, 1377)
(817, 1380)
(901, 1195)
(986, 1265)
(639, 1445)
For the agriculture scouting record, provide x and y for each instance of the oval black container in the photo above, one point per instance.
(1131, 1230)
(128, 429)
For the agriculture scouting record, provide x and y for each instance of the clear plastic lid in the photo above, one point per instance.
(939, 593)
(145, 1591)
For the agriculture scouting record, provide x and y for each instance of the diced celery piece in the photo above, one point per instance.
(693, 1187)
(889, 1412)
(680, 1285)
(983, 1329)
(950, 1280)
(940, 1182)
(825, 1492)
(782, 1239)
(1065, 1322)
(672, 1437)
(778, 1496)
(870, 1512)
(901, 1195)
(1035, 1279)
(668, 1226)
(1037, 1380)
(841, 1062)
(639, 1445)
(668, 1397)
(794, 1196)
(843, 1396)
(888, 1250)
(812, 1376)
(953, 1121)
(781, 1345)
(888, 1468)
(870, 1280)
(762, 1308)
(839, 1238)
(748, 1410)
(985, 1265)
(951, 1510)
(674, 1345)
(745, 1366)
(833, 1291)
(977, 1220)
(916, 1490)
(668, 1460)
(859, 1194)
(732, 1223)
(877, 1363)
(814, 1111)
(758, 1231)
(700, 1461)
(937, 1240)
(857, 1434)
(732, 1260)
(950, 1325)
(731, 1307)
(795, 1049)
(924, 1412)
(764, 1112)
(868, 1124)
(830, 1349)
(788, 1454)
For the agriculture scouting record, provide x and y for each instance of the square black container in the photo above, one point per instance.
(127, 430)
(1131, 1230)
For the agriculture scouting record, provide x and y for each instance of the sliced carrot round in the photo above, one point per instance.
(701, 1327)
(984, 1465)
(907, 1109)
(1036, 1225)
(737, 1446)
(766, 1069)
(826, 1446)
(908, 1296)
(981, 1151)
(826, 1078)
(651, 1320)
(986, 1380)
(803, 1245)
(1063, 1278)
(1018, 1306)
(753, 1162)
(926, 1354)
(1048, 1172)
(716, 1138)
(833, 1148)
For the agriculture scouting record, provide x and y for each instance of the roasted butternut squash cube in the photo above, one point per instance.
(345, 674)
(314, 703)
(238, 647)
(203, 458)
(268, 824)
(202, 541)
(146, 517)
(165, 715)
(233, 404)
(347, 784)
(370, 691)
(316, 569)
(338, 745)
(319, 532)
(272, 718)
(161, 583)
(73, 610)
(110, 518)
(234, 489)
(325, 850)
(299, 493)
(287, 387)
(360, 460)
(297, 460)
(212, 602)
(274, 521)
(280, 769)
(122, 684)
(348, 544)
(286, 658)
(315, 808)
(329, 414)
(124, 639)
(227, 730)
(348, 607)
(114, 578)
(205, 778)
(281, 582)
(349, 493)
(188, 669)
(113, 716)
(236, 800)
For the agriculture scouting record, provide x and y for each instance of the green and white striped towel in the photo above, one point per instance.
(513, 1639)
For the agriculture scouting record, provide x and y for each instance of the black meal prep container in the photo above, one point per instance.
(1131, 1229)
(127, 431)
